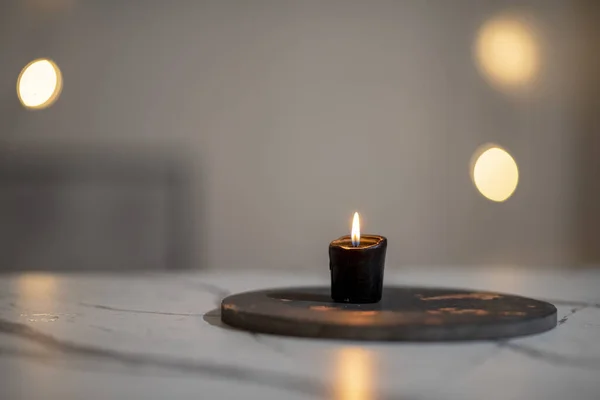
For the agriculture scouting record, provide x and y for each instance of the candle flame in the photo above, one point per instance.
(355, 230)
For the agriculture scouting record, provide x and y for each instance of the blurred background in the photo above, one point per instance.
(147, 134)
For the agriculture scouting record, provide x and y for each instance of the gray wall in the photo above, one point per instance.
(291, 115)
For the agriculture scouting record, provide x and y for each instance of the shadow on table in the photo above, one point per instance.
(213, 317)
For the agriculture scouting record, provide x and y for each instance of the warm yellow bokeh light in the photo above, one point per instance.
(494, 173)
(507, 52)
(354, 374)
(39, 84)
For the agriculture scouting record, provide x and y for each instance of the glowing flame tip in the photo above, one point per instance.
(355, 230)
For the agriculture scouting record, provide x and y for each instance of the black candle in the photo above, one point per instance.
(356, 263)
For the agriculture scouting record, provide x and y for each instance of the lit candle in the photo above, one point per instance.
(356, 263)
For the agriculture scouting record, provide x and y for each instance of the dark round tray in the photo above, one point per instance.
(404, 314)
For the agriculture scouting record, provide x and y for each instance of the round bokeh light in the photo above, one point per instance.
(39, 84)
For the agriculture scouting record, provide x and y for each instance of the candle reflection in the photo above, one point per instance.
(354, 374)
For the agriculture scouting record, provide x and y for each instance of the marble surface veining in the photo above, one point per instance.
(156, 336)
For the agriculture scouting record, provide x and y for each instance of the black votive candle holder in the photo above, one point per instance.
(357, 271)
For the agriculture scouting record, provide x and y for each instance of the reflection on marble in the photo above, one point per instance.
(355, 373)
(155, 336)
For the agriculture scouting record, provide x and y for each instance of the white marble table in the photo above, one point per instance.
(158, 336)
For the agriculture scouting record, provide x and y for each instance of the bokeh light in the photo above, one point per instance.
(507, 52)
(39, 84)
(494, 173)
